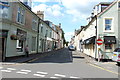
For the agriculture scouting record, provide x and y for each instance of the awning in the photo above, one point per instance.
(90, 40)
(109, 40)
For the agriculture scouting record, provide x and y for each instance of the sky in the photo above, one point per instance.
(70, 13)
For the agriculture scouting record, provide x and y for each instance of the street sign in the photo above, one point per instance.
(99, 41)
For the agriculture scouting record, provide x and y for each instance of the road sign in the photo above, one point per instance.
(99, 41)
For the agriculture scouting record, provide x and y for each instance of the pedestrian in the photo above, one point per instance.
(26, 51)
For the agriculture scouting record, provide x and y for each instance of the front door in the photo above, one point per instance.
(2, 49)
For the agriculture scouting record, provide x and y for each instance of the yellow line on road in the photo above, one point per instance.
(104, 69)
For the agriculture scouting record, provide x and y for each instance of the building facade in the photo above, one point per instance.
(102, 24)
(19, 27)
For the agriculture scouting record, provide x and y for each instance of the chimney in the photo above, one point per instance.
(60, 25)
(40, 14)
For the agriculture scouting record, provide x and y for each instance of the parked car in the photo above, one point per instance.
(71, 47)
(116, 55)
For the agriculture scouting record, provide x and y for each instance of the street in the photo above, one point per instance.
(62, 64)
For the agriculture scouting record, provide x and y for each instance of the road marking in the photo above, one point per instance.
(73, 77)
(1, 67)
(60, 75)
(11, 69)
(5, 70)
(21, 72)
(33, 60)
(104, 69)
(26, 70)
(53, 77)
(42, 72)
(39, 75)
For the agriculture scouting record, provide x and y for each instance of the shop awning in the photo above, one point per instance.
(109, 40)
(90, 40)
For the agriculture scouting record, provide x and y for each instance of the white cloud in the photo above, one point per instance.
(54, 10)
(45, 0)
(80, 10)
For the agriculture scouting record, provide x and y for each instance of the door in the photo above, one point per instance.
(2, 49)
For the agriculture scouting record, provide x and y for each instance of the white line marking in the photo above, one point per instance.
(60, 75)
(39, 75)
(53, 77)
(73, 77)
(26, 70)
(5, 70)
(22, 72)
(42, 72)
(11, 69)
(1, 67)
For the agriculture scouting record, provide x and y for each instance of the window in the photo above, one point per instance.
(50, 34)
(108, 46)
(46, 33)
(119, 5)
(4, 8)
(41, 29)
(33, 43)
(34, 23)
(108, 24)
(20, 15)
(19, 46)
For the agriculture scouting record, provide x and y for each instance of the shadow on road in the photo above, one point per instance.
(62, 56)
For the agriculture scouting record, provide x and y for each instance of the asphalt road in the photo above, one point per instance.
(62, 64)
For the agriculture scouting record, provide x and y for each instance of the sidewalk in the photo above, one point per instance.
(23, 59)
(110, 65)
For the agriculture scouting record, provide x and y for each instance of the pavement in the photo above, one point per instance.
(110, 66)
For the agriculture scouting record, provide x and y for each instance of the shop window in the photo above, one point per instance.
(108, 24)
(108, 46)
(19, 46)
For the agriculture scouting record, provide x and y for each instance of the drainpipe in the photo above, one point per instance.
(96, 37)
(38, 35)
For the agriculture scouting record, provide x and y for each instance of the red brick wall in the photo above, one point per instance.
(28, 19)
(14, 11)
(28, 15)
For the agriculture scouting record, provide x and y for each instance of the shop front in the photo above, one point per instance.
(21, 40)
(109, 45)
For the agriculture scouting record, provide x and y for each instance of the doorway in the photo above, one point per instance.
(2, 49)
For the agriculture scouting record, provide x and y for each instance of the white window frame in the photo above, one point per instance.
(17, 45)
(112, 26)
(21, 11)
(34, 23)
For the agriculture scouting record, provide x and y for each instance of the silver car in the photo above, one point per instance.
(116, 55)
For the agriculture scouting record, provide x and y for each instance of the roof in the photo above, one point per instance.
(107, 8)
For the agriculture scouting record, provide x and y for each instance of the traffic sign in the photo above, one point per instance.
(99, 41)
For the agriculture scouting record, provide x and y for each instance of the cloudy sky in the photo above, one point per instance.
(70, 13)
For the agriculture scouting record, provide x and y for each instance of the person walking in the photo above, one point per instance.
(26, 51)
